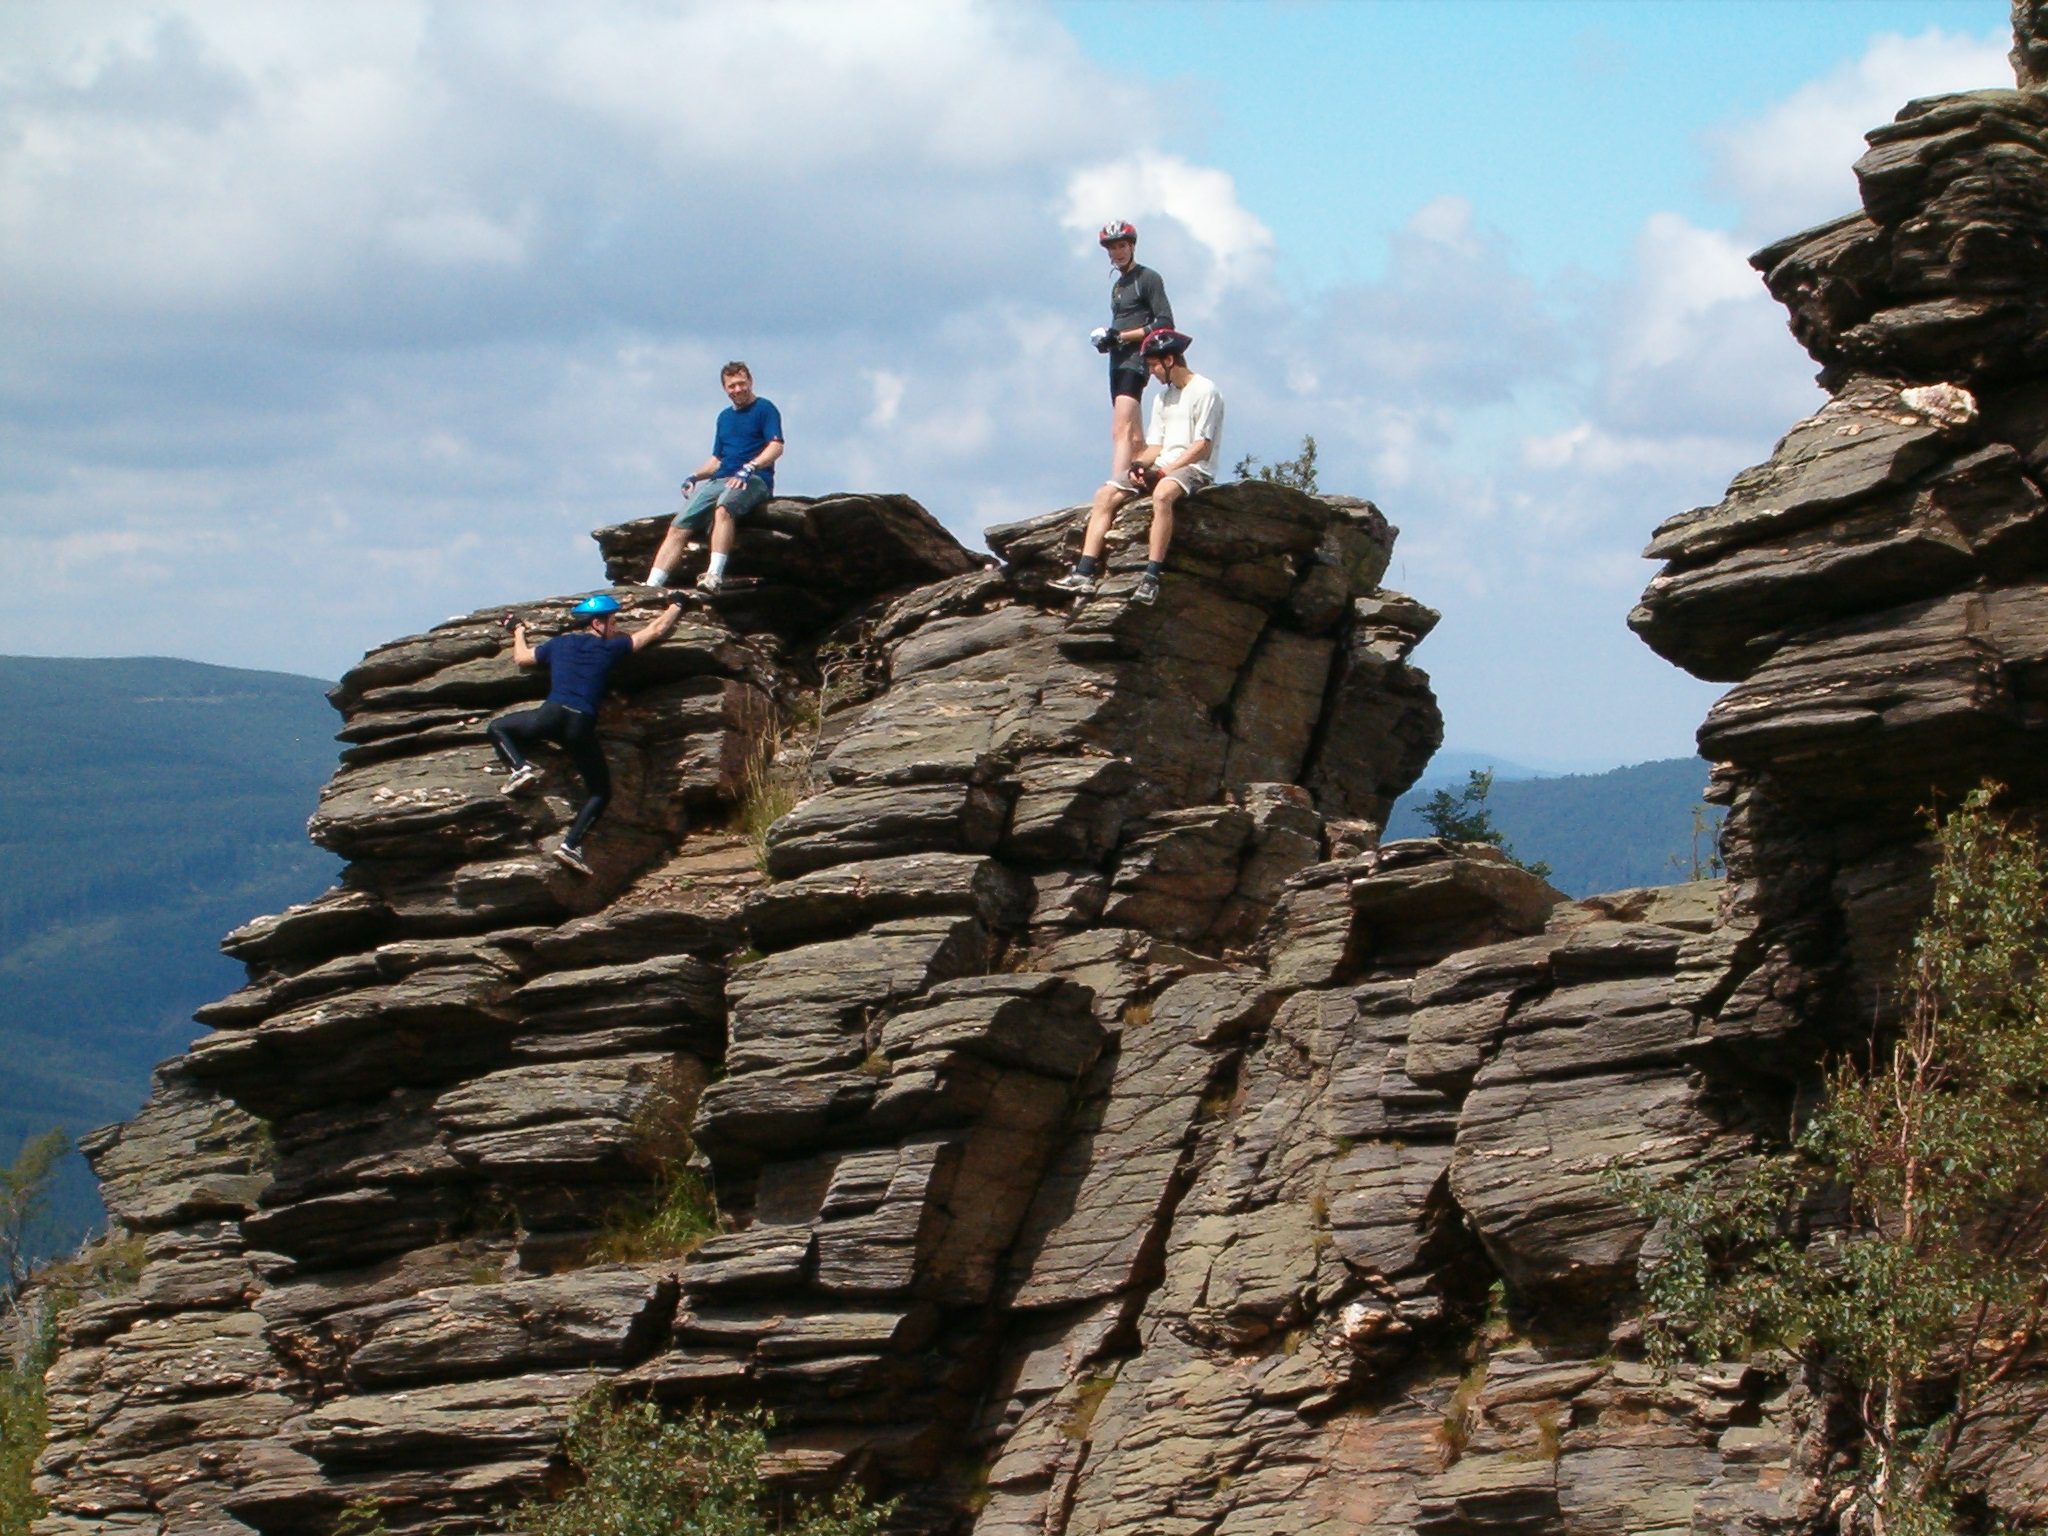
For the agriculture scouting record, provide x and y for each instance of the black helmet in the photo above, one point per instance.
(1117, 229)
(1165, 342)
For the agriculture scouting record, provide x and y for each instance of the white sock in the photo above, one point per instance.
(718, 564)
(657, 577)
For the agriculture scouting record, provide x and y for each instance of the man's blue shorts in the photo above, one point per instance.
(715, 492)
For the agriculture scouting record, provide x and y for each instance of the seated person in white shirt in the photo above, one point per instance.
(1182, 449)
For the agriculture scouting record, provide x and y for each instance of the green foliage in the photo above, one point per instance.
(679, 1211)
(640, 1474)
(364, 1517)
(1703, 862)
(1464, 818)
(24, 1197)
(1900, 1244)
(666, 1224)
(1298, 472)
(24, 1418)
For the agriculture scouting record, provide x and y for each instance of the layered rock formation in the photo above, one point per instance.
(373, 1195)
(1109, 1134)
(1875, 594)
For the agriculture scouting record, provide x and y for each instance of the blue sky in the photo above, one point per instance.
(1565, 124)
(318, 324)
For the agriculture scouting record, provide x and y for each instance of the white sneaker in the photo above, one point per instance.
(521, 779)
(709, 583)
(1074, 581)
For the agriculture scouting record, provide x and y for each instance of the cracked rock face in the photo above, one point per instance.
(1110, 1133)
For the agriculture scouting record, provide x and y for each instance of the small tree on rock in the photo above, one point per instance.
(1298, 473)
(1464, 818)
(1899, 1244)
(24, 1199)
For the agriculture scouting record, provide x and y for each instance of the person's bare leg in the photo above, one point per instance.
(1164, 497)
(670, 552)
(1126, 435)
(724, 532)
(1100, 516)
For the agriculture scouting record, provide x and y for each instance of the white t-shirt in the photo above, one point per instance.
(1179, 416)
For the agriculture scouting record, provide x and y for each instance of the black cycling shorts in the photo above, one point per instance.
(1127, 381)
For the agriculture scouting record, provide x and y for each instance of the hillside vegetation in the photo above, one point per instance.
(147, 806)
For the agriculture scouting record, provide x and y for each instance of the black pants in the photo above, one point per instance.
(576, 733)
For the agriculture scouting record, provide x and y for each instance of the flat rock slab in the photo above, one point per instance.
(829, 902)
(852, 825)
(463, 1422)
(597, 1317)
(806, 1009)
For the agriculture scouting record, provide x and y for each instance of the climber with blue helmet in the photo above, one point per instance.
(1137, 307)
(579, 665)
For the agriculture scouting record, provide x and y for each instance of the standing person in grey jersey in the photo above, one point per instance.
(1137, 307)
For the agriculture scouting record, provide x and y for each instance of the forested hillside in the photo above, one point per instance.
(1596, 831)
(146, 807)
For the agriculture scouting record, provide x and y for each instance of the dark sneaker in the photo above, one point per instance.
(522, 778)
(565, 855)
(1074, 581)
(1146, 591)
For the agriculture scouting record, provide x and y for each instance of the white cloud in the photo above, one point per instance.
(1788, 167)
(1200, 199)
(319, 323)
(888, 388)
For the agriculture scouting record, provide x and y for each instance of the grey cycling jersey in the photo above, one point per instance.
(1136, 299)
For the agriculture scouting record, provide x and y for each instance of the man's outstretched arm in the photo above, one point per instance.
(651, 634)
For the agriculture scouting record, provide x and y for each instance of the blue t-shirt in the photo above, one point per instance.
(743, 433)
(579, 664)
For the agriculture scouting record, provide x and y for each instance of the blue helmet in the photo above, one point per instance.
(596, 606)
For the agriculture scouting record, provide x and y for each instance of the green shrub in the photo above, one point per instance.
(641, 1474)
(1464, 818)
(679, 1211)
(25, 1186)
(24, 1419)
(1298, 472)
(1899, 1245)
(666, 1225)
(364, 1517)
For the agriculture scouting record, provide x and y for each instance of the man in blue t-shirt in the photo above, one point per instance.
(738, 477)
(579, 665)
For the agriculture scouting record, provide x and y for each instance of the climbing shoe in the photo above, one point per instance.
(1146, 591)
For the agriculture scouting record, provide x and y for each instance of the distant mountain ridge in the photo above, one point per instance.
(1597, 831)
(147, 806)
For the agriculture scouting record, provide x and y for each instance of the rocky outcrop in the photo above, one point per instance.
(377, 1195)
(1109, 1133)
(1873, 593)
